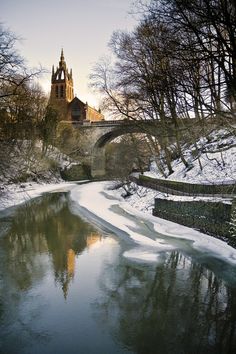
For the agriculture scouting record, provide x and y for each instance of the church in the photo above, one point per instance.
(62, 97)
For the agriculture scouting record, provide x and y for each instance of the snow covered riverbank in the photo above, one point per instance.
(15, 194)
(151, 235)
(213, 163)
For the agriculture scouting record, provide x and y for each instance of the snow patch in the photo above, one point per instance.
(15, 194)
(142, 255)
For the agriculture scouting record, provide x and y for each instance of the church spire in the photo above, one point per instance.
(61, 85)
(62, 62)
(62, 55)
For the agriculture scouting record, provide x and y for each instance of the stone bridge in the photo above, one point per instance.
(102, 132)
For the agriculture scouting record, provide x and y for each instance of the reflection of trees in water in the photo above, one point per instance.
(45, 226)
(41, 228)
(179, 307)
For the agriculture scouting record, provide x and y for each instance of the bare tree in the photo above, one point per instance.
(13, 71)
(22, 108)
(177, 64)
(211, 24)
(142, 84)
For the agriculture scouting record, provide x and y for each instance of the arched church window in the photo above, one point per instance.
(61, 91)
(57, 92)
(62, 75)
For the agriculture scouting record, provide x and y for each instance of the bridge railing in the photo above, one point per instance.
(100, 122)
(110, 122)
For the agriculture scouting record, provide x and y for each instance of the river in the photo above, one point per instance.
(68, 285)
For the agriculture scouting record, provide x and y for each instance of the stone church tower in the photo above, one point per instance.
(62, 97)
(62, 91)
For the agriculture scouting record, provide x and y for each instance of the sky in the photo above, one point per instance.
(82, 28)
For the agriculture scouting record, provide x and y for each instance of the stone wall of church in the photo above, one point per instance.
(94, 115)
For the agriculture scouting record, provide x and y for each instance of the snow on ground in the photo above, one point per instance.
(55, 154)
(217, 157)
(15, 194)
(26, 163)
(99, 199)
(142, 198)
(36, 169)
(217, 167)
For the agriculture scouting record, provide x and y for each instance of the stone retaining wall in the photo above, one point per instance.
(182, 188)
(213, 218)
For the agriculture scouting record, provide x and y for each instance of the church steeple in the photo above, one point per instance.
(62, 62)
(62, 82)
(62, 54)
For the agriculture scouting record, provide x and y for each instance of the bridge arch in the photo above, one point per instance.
(109, 136)
(98, 158)
(99, 133)
(102, 132)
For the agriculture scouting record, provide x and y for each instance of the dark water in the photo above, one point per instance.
(66, 288)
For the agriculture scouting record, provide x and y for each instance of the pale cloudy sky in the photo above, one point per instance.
(82, 27)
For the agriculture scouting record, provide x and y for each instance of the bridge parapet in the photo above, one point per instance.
(105, 123)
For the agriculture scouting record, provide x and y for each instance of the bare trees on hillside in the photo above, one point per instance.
(178, 63)
(211, 25)
(24, 116)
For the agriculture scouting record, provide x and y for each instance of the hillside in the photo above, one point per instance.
(217, 158)
(212, 160)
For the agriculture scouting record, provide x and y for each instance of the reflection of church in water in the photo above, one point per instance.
(62, 98)
(66, 275)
